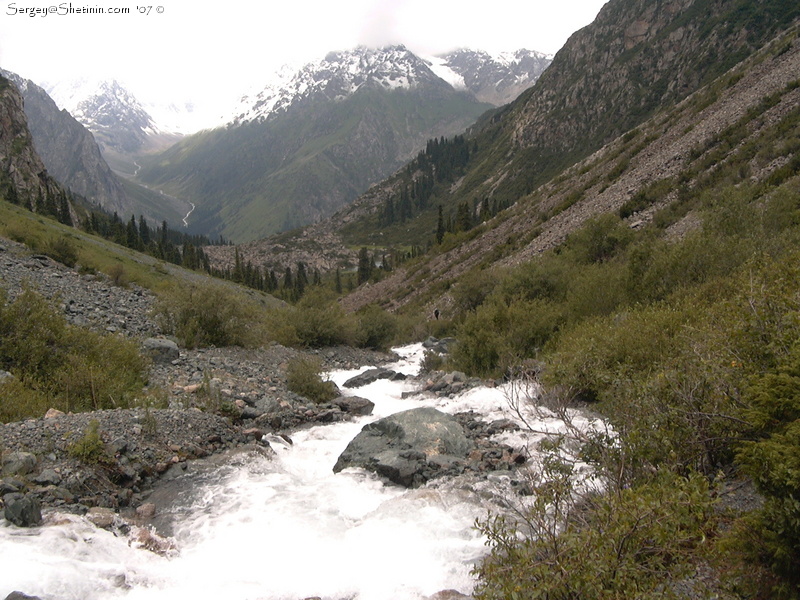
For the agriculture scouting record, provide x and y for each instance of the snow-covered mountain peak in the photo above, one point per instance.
(496, 78)
(338, 75)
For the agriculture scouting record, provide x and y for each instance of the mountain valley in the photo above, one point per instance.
(616, 244)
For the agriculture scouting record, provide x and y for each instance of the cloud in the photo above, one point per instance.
(382, 23)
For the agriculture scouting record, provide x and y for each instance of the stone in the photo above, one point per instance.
(355, 405)
(146, 510)
(369, 376)
(53, 413)
(161, 350)
(21, 596)
(18, 463)
(8, 486)
(399, 447)
(48, 477)
(22, 510)
(101, 517)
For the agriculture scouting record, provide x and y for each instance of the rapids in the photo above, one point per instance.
(285, 527)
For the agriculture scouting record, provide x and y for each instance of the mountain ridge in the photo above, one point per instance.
(312, 142)
(510, 166)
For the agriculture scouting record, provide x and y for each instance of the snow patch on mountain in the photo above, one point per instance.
(337, 76)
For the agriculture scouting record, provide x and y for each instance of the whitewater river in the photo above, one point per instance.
(282, 528)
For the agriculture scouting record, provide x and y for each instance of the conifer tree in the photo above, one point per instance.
(440, 226)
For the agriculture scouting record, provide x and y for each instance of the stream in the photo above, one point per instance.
(284, 527)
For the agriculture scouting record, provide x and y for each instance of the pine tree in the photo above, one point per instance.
(144, 231)
(440, 226)
(364, 265)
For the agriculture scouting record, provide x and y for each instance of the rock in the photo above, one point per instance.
(441, 346)
(48, 477)
(22, 510)
(21, 596)
(101, 517)
(400, 447)
(355, 405)
(370, 376)
(8, 486)
(161, 350)
(6, 376)
(52, 413)
(19, 463)
(146, 510)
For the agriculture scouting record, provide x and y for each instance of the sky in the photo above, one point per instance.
(213, 50)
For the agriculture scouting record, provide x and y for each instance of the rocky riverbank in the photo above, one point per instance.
(209, 401)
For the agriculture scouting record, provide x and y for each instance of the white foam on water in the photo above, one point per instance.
(282, 528)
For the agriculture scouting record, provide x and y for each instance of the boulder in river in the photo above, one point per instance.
(409, 447)
(22, 510)
(355, 405)
(372, 375)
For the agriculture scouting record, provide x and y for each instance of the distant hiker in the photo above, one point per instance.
(436, 313)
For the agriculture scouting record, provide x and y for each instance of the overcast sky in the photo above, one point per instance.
(189, 48)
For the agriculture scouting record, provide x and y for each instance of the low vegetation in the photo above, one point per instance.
(56, 365)
(687, 345)
(304, 377)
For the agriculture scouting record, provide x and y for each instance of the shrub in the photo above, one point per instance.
(90, 449)
(376, 327)
(318, 320)
(19, 402)
(60, 365)
(303, 377)
(62, 250)
(497, 335)
(210, 315)
(608, 546)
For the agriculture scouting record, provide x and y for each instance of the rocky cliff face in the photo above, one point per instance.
(637, 56)
(20, 166)
(68, 149)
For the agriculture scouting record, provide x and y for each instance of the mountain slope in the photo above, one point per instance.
(647, 170)
(312, 143)
(121, 125)
(68, 149)
(23, 177)
(638, 59)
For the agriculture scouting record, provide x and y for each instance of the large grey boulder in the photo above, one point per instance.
(409, 447)
(372, 375)
(161, 350)
(22, 510)
(21, 596)
(18, 463)
(355, 405)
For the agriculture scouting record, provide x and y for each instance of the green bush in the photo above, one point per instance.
(318, 320)
(90, 448)
(377, 327)
(62, 366)
(621, 544)
(62, 250)
(303, 376)
(771, 459)
(210, 315)
(498, 335)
